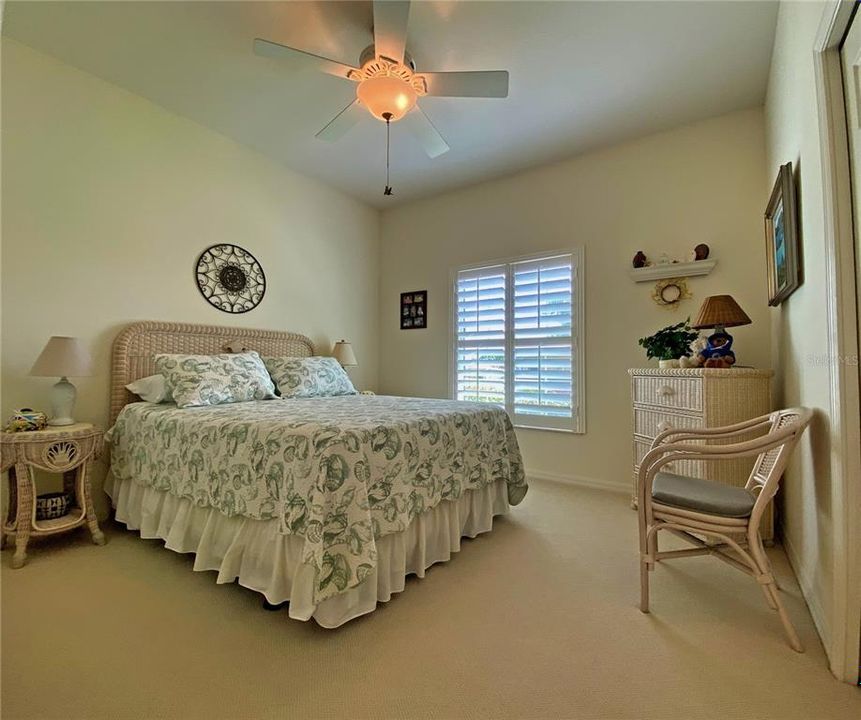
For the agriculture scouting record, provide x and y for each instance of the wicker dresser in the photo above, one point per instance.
(699, 398)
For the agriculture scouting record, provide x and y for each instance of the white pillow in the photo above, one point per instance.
(151, 389)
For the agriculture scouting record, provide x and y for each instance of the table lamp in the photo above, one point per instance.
(343, 353)
(719, 312)
(63, 356)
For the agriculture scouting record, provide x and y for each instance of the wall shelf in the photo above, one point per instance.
(672, 270)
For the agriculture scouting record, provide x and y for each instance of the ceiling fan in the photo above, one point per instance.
(387, 84)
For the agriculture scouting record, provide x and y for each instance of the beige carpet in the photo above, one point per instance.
(535, 620)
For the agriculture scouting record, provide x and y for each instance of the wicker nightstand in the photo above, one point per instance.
(69, 450)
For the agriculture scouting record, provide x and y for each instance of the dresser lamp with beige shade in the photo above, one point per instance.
(63, 357)
(343, 353)
(720, 312)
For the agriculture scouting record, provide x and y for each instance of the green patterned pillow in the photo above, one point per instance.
(309, 377)
(196, 380)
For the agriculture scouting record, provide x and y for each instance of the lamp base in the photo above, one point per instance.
(63, 396)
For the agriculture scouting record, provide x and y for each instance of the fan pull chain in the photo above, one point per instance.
(388, 117)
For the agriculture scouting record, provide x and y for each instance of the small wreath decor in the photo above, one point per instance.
(670, 292)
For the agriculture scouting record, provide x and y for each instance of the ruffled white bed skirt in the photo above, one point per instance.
(256, 555)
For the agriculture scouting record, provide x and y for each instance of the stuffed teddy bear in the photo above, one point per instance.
(718, 351)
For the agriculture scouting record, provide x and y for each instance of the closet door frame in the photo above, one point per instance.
(842, 646)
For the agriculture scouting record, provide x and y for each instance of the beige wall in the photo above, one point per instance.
(664, 193)
(799, 332)
(108, 199)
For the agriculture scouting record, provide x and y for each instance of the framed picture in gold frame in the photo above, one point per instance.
(781, 238)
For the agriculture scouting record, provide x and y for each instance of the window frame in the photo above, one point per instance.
(577, 423)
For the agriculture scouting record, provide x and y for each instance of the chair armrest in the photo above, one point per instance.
(663, 454)
(727, 431)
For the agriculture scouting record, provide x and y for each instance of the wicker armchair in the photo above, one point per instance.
(727, 516)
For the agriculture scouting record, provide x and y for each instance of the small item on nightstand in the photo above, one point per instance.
(639, 260)
(26, 420)
(701, 252)
(50, 506)
(720, 312)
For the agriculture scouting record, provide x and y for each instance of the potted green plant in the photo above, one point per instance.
(670, 343)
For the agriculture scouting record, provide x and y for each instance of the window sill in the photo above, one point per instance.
(565, 431)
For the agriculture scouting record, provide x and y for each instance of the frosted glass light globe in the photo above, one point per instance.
(385, 94)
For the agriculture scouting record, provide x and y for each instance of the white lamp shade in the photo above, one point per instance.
(343, 353)
(63, 357)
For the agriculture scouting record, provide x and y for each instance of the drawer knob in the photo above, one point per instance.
(665, 391)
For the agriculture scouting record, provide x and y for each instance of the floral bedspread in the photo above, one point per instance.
(338, 471)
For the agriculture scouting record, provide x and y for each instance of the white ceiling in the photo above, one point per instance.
(583, 75)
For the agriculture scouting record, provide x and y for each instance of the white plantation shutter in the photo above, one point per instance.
(481, 334)
(542, 379)
(519, 339)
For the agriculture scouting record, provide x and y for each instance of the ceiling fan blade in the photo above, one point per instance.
(426, 133)
(390, 28)
(481, 83)
(342, 122)
(266, 48)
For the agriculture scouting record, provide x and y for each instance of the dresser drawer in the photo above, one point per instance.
(681, 393)
(649, 422)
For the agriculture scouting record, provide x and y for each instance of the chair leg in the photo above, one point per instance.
(763, 567)
(769, 598)
(644, 566)
(770, 568)
(772, 592)
(644, 585)
(788, 628)
(648, 548)
(653, 549)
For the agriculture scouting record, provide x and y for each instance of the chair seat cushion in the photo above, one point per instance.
(705, 496)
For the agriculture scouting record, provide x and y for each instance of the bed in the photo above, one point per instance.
(326, 503)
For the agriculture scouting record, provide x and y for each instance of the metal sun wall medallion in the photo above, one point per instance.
(230, 278)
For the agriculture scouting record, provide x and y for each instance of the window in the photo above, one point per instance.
(518, 339)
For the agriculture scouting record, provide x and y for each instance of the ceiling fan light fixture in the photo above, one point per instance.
(387, 89)
(387, 85)
(386, 96)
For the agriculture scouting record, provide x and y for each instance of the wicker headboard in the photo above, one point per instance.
(138, 343)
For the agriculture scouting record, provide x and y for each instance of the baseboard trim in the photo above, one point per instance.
(807, 592)
(580, 480)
